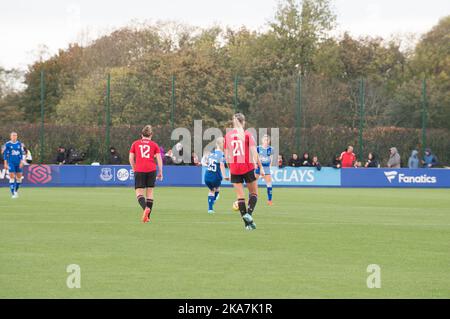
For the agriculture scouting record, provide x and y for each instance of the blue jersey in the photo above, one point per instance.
(213, 165)
(13, 152)
(265, 154)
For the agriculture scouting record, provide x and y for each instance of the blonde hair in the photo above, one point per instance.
(219, 143)
(239, 124)
(239, 120)
(147, 131)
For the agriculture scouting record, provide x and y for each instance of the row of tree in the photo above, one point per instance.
(143, 58)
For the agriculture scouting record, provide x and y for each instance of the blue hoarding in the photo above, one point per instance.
(122, 175)
(100, 176)
(301, 176)
(395, 178)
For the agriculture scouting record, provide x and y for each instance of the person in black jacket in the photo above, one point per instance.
(315, 163)
(168, 158)
(114, 157)
(74, 157)
(61, 156)
(372, 161)
(295, 161)
(306, 161)
(336, 163)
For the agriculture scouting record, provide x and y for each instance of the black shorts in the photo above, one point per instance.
(144, 180)
(240, 179)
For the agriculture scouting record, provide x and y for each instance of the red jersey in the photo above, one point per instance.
(239, 159)
(145, 151)
(348, 159)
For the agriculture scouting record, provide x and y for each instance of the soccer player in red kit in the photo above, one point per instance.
(142, 160)
(242, 157)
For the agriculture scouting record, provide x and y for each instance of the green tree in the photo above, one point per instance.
(430, 61)
(61, 74)
(10, 96)
(300, 27)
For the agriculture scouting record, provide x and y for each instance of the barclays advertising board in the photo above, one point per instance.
(301, 176)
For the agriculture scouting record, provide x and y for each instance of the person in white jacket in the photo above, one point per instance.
(27, 157)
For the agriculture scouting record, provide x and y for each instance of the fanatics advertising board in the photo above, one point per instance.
(396, 178)
(122, 175)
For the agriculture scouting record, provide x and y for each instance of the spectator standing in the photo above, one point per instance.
(348, 158)
(429, 159)
(281, 161)
(168, 158)
(114, 157)
(74, 157)
(180, 151)
(336, 163)
(61, 156)
(394, 158)
(295, 161)
(306, 161)
(372, 161)
(204, 161)
(195, 160)
(2, 150)
(28, 159)
(163, 154)
(315, 163)
(413, 161)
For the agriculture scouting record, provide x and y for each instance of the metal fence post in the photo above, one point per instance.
(108, 115)
(424, 115)
(362, 96)
(41, 131)
(236, 81)
(172, 113)
(298, 113)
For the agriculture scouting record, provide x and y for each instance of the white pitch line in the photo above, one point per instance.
(227, 222)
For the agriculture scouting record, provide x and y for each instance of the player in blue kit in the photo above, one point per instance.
(214, 174)
(13, 156)
(265, 152)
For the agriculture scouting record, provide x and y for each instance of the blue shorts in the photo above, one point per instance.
(213, 183)
(14, 168)
(266, 170)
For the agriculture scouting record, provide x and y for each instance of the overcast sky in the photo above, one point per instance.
(27, 24)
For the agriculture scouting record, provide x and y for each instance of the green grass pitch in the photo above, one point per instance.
(313, 243)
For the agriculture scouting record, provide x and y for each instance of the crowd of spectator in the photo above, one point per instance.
(347, 159)
(70, 156)
(304, 161)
